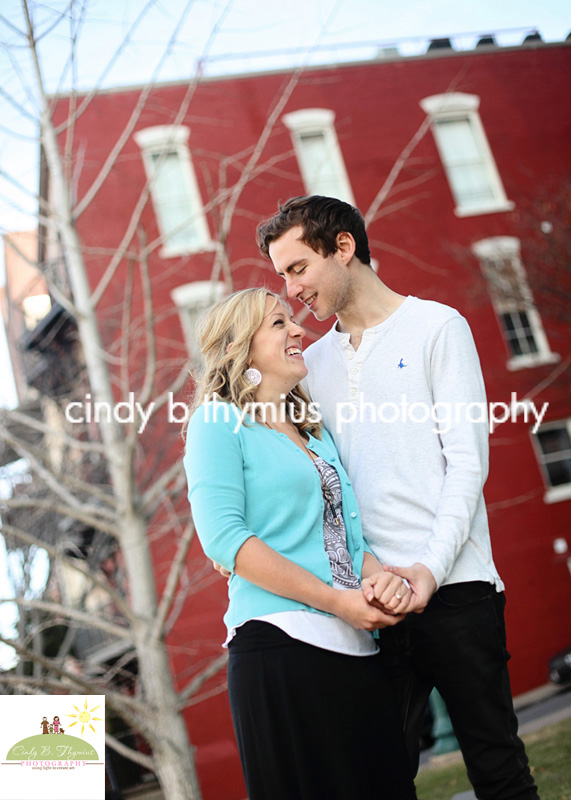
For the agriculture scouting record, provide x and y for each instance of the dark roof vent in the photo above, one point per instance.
(387, 52)
(440, 44)
(533, 37)
(486, 41)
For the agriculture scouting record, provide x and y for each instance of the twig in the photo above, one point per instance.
(195, 684)
(172, 582)
(89, 620)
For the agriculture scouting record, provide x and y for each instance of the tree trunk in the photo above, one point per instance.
(172, 752)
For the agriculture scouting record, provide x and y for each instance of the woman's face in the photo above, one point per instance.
(276, 350)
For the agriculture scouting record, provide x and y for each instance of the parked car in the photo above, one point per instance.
(560, 667)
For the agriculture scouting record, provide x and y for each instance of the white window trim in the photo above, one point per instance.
(553, 494)
(191, 300)
(156, 140)
(315, 121)
(509, 247)
(458, 106)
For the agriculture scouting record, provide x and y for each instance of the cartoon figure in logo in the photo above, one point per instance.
(61, 730)
(45, 725)
(51, 728)
(56, 724)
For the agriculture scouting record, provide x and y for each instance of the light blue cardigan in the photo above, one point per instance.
(248, 480)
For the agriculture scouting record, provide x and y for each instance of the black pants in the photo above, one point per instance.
(313, 724)
(458, 644)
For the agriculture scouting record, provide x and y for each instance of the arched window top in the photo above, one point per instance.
(161, 135)
(448, 102)
(497, 246)
(309, 118)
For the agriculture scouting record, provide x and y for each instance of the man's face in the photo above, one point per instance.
(321, 283)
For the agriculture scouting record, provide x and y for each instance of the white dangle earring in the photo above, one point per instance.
(253, 376)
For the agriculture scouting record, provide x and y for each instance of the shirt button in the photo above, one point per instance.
(353, 391)
(354, 371)
(350, 357)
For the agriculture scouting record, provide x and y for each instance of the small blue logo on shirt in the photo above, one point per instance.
(401, 365)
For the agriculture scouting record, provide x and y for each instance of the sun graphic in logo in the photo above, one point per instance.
(84, 717)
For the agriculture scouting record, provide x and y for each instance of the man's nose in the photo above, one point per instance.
(293, 288)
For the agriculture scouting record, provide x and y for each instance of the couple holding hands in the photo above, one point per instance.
(360, 565)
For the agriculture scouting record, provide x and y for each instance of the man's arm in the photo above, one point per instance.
(457, 390)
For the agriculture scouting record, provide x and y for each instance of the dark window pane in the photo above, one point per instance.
(508, 322)
(554, 440)
(531, 343)
(559, 472)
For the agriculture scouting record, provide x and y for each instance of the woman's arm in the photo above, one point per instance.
(259, 564)
(215, 470)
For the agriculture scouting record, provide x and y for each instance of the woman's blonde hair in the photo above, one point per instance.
(225, 335)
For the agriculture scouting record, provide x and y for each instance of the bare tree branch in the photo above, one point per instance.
(383, 192)
(133, 755)
(151, 359)
(38, 425)
(129, 128)
(123, 704)
(73, 563)
(96, 87)
(90, 620)
(139, 206)
(81, 514)
(421, 131)
(172, 581)
(208, 672)
(35, 464)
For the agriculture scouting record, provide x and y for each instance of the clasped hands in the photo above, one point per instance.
(394, 592)
(400, 590)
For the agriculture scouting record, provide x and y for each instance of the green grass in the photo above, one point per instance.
(549, 753)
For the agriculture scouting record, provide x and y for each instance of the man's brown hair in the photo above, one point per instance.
(321, 220)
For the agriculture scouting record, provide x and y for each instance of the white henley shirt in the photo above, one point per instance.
(418, 481)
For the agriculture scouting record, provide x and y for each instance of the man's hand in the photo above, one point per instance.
(388, 592)
(222, 570)
(422, 583)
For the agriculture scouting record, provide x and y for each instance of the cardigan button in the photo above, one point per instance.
(353, 514)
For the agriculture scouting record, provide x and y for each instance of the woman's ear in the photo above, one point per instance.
(228, 346)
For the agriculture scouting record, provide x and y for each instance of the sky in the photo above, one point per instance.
(167, 41)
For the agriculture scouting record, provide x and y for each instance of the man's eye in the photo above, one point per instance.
(299, 271)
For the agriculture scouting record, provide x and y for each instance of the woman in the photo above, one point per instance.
(312, 711)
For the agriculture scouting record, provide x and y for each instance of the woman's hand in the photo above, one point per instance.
(388, 592)
(351, 606)
(222, 570)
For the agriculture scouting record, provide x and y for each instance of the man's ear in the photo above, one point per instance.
(345, 246)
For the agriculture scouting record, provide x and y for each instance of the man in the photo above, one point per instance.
(400, 388)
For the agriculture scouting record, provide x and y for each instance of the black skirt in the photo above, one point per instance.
(313, 724)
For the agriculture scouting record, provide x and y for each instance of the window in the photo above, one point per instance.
(174, 190)
(553, 448)
(465, 153)
(192, 300)
(519, 319)
(318, 153)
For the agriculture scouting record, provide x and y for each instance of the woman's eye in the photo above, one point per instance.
(279, 322)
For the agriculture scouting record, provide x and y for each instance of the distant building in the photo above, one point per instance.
(477, 217)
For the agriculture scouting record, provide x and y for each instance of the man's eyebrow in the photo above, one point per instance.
(293, 264)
